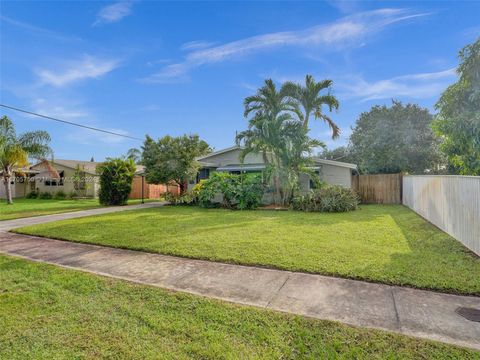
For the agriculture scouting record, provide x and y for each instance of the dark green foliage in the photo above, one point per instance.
(243, 191)
(458, 122)
(327, 199)
(116, 176)
(32, 195)
(341, 153)
(72, 195)
(187, 198)
(45, 195)
(60, 195)
(395, 139)
(172, 159)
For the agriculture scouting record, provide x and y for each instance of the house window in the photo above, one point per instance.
(62, 176)
(50, 182)
(203, 174)
(313, 185)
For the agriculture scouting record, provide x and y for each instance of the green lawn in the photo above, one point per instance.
(48, 312)
(22, 208)
(381, 243)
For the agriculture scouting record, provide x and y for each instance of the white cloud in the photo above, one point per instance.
(195, 45)
(418, 86)
(37, 30)
(113, 13)
(345, 32)
(87, 67)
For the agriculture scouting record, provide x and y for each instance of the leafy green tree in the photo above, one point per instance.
(311, 101)
(116, 176)
(395, 139)
(341, 153)
(16, 150)
(134, 154)
(172, 159)
(458, 120)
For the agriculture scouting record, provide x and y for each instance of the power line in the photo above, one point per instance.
(70, 123)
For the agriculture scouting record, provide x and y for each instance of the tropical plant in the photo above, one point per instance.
(330, 198)
(241, 191)
(15, 150)
(276, 130)
(311, 100)
(458, 120)
(116, 176)
(134, 154)
(173, 159)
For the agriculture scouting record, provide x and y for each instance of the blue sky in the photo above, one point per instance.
(157, 68)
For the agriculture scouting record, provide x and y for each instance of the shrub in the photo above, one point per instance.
(60, 195)
(187, 198)
(116, 176)
(72, 195)
(331, 198)
(32, 194)
(45, 195)
(243, 191)
(250, 192)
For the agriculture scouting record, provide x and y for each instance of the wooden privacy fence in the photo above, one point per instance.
(452, 203)
(150, 191)
(379, 189)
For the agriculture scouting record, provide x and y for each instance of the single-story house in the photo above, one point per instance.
(332, 172)
(75, 176)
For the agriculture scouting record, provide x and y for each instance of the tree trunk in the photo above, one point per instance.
(181, 184)
(8, 190)
(305, 121)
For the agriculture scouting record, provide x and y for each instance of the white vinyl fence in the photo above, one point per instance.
(450, 202)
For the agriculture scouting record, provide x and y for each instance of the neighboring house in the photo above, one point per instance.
(76, 176)
(332, 172)
(19, 184)
(71, 176)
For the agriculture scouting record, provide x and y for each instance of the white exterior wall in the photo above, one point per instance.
(336, 175)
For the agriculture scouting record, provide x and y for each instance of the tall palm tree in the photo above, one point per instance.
(276, 131)
(310, 99)
(16, 150)
(134, 154)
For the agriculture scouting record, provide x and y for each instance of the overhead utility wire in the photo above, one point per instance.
(70, 123)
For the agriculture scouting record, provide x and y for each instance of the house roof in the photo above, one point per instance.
(87, 166)
(241, 167)
(232, 148)
(335, 163)
(218, 152)
(90, 167)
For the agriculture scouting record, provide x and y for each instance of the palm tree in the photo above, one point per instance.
(16, 150)
(311, 101)
(135, 155)
(276, 131)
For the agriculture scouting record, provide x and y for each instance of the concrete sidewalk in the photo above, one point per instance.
(412, 312)
(7, 225)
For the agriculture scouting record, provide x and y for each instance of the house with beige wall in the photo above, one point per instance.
(332, 172)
